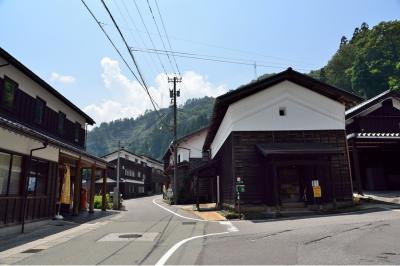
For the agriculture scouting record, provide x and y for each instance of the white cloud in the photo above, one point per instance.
(62, 78)
(128, 99)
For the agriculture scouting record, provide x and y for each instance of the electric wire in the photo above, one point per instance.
(211, 58)
(124, 60)
(166, 35)
(148, 34)
(159, 33)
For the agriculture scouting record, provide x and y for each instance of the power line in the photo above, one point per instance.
(148, 33)
(123, 59)
(112, 43)
(166, 35)
(130, 31)
(211, 58)
(159, 33)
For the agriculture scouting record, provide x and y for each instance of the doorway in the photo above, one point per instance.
(290, 184)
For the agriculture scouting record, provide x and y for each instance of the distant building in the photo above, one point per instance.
(280, 135)
(373, 134)
(189, 156)
(139, 175)
(37, 120)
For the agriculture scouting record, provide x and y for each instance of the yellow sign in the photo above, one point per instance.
(66, 188)
(317, 192)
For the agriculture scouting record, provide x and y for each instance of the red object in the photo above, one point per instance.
(83, 198)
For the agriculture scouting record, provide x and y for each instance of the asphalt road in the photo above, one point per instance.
(367, 238)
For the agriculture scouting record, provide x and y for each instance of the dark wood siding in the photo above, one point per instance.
(24, 113)
(38, 206)
(225, 171)
(251, 166)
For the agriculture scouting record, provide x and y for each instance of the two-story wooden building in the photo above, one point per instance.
(42, 147)
(189, 157)
(139, 175)
(373, 134)
(280, 135)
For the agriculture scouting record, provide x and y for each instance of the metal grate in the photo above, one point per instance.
(130, 236)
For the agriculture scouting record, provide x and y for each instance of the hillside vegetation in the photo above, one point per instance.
(368, 63)
(146, 134)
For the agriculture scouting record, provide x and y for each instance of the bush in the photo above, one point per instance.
(98, 201)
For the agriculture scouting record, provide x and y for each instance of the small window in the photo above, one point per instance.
(282, 111)
(61, 123)
(39, 111)
(9, 91)
(77, 131)
(179, 158)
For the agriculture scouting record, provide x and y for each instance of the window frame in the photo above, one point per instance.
(77, 132)
(2, 102)
(38, 99)
(8, 178)
(61, 132)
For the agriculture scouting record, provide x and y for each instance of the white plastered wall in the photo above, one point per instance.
(33, 89)
(12, 141)
(192, 146)
(305, 110)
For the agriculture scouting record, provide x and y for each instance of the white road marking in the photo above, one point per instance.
(177, 214)
(171, 251)
(231, 228)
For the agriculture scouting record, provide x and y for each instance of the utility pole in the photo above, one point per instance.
(174, 94)
(116, 190)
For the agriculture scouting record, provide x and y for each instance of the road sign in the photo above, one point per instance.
(240, 188)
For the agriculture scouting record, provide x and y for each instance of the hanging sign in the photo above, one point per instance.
(66, 188)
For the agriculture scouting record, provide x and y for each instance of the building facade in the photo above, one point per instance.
(373, 134)
(42, 136)
(189, 156)
(280, 135)
(139, 175)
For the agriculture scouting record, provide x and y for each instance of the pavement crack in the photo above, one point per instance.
(269, 235)
(316, 240)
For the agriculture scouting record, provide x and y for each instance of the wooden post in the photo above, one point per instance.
(104, 190)
(92, 188)
(276, 187)
(356, 165)
(77, 188)
(196, 178)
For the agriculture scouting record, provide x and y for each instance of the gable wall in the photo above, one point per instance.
(305, 110)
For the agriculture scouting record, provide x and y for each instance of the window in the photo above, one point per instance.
(39, 111)
(282, 111)
(37, 180)
(61, 123)
(77, 132)
(4, 172)
(15, 176)
(10, 174)
(9, 91)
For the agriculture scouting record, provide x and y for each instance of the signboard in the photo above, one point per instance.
(240, 188)
(317, 192)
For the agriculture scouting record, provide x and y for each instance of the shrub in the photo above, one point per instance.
(98, 201)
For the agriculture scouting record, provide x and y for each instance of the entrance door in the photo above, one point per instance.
(289, 179)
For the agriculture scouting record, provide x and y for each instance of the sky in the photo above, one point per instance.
(62, 43)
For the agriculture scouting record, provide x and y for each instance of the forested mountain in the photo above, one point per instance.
(368, 63)
(147, 134)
